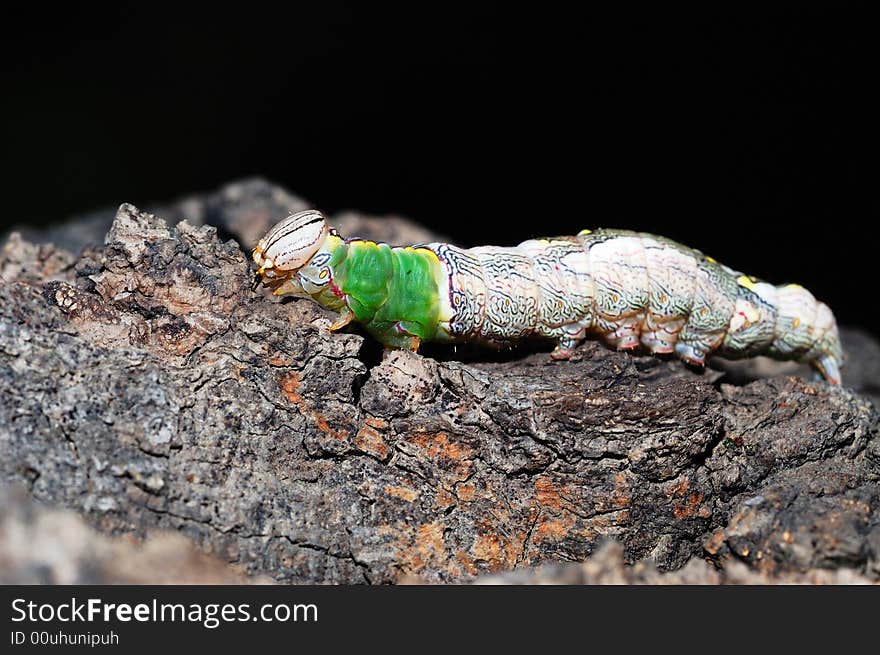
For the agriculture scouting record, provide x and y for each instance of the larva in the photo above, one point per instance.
(628, 288)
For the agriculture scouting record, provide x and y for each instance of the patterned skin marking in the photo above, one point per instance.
(625, 287)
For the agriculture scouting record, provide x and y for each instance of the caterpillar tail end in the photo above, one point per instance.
(827, 368)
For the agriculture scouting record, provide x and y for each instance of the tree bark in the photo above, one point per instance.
(145, 386)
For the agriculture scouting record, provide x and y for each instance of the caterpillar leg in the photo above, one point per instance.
(346, 316)
(290, 287)
(690, 353)
(410, 330)
(694, 345)
(827, 368)
(621, 332)
(567, 338)
(658, 343)
(627, 335)
(402, 335)
(564, 348)
(401, 342)
(661, 334)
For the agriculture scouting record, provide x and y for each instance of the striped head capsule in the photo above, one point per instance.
(289, 245)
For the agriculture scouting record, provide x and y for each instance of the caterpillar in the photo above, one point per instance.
(629, 288)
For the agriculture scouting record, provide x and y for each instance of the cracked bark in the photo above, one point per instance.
(145, 386)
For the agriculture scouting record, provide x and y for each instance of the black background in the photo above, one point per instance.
(749, 135)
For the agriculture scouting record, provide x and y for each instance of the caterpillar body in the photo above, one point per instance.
(631, 289)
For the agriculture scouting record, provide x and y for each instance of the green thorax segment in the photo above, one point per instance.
(392, 291)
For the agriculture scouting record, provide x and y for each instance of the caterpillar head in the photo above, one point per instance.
(289, 245)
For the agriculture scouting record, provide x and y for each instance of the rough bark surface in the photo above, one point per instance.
(145, 386)
(607, 566)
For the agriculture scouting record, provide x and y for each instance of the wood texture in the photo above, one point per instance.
(145, 386)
